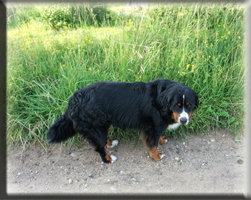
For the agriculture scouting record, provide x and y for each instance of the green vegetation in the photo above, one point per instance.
(54, 50)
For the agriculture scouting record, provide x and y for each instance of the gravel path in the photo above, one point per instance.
(196, 164)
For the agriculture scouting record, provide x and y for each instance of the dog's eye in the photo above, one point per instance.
(188, 105)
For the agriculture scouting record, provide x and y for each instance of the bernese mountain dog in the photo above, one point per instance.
(151, 107)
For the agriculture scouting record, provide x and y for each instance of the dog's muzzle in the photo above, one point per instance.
(183, 118)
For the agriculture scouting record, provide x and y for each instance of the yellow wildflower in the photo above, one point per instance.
(90, 68)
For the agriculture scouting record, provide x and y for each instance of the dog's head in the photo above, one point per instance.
(177, 100)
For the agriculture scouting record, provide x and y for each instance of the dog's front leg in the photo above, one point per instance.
(151, 142)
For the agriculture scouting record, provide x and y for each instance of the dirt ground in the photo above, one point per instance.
(196, 164)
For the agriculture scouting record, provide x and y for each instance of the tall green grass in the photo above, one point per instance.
(200, 46)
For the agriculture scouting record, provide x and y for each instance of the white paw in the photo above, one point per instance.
(114, 158)
(114, 143)
(165, 141)
(162, 156)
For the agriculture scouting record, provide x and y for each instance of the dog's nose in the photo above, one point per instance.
(183, 120)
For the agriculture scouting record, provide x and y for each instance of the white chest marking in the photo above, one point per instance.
(173, 126)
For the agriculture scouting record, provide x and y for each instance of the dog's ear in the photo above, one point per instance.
(160, 94)
(163, 98)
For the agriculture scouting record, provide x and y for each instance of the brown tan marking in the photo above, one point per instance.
(189, 115)
(175, 116)
(187, 104)
(155, 154)
(107, 156)
(179, 104)
(162, 140)
(109, 142)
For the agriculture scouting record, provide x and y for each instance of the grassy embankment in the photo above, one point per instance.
(197, 45)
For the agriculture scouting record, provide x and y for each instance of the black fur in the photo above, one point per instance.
(142, 106)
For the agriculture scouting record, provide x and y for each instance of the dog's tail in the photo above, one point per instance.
(61, 130)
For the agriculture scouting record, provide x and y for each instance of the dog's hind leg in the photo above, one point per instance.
(104, 156)
(100, 142)
(98, 138)
(111, 143)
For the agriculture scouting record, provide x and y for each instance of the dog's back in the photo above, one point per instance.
(126, 105)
